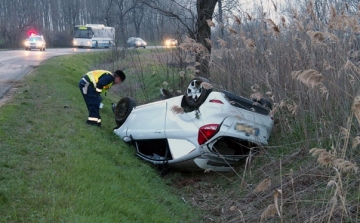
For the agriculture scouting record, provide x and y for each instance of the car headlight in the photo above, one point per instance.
(38, 44)
(26, 43)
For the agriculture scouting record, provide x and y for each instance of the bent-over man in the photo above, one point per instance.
(91, 85)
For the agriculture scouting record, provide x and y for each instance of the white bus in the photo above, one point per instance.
(93, 36)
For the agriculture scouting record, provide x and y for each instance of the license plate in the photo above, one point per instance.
(247, 129)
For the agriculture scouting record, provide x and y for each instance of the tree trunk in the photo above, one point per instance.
(221, 21)
(205, 10)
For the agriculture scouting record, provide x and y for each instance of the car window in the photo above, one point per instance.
(36, 38)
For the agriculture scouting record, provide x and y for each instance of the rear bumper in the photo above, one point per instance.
(255, 129)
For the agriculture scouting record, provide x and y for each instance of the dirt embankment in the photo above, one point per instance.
(8, 96)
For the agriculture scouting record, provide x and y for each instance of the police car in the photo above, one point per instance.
(35, 42)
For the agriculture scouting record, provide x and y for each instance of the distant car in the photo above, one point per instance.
(35, 42)
(136, 42)
(200, 130)
(171, 42)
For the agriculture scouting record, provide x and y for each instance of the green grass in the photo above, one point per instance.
(55, 168)
(149, 69)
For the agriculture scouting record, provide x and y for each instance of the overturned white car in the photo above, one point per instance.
(201, 129)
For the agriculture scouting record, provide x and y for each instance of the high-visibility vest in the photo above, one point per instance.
(95, 75)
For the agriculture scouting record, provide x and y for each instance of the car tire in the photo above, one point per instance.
(264, 102)
(195, 93)
(123, 109)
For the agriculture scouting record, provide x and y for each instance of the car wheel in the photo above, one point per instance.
(123, 109)
(196, 92)
(264, 102)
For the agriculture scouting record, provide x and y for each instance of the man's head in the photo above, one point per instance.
(119, 76)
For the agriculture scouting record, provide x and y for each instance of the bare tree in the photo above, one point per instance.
(205, 10)
(184, 11)
(124, 9)
(15, 18)
(225, 7)
(71, 11)
(137, 18)
(164, 18)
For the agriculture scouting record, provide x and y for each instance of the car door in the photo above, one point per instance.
(147, 121)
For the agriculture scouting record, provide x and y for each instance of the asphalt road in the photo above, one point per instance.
(15, 64)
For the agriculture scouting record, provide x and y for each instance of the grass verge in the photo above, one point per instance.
(55, 168)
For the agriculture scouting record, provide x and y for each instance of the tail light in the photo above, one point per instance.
(206, 132)
(216, 101)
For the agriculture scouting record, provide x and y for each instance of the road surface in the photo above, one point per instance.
(15, 64)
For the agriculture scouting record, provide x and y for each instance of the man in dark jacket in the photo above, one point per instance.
(91, 85)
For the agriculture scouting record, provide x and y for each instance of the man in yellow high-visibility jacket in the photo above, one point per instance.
(91, 85)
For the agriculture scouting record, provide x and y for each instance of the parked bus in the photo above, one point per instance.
(93, 36)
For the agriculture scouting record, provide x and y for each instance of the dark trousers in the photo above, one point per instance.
(92, 100)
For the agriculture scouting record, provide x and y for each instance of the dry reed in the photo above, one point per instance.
(263, 185)
(270, 211)
(308, 77)
(177, 109)
(322, 59)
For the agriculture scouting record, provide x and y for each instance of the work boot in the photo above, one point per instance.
(91, 123)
